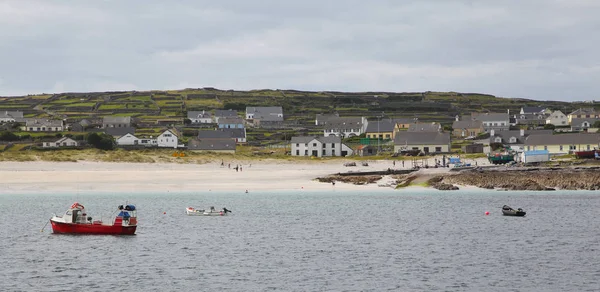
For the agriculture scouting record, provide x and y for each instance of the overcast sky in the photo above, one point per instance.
(538, 49)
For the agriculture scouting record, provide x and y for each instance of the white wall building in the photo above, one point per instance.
(557, 118)
(319, 146)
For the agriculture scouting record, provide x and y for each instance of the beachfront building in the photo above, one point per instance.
(62, 142)
(563, 143)
(169, 139)
(557, 118)
(582, 113)
(129, 139)
(200, 117)
(493, 121)
(118, 132)
(222, 145)
(319, 146)
(427, 142)
(344, 127)
(11, 116)
(116, 122)
(230, 123)
(467, 128)
(238, 134)
(380, 129)
(42, 125)
(514, 139)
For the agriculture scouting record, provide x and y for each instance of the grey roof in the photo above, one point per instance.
(324, 118)
(343, 123)
(11, 114)
(563, 139)
(576, 122)
(404, 120)
(199, 115)
(306, 139)
(236, 120)
(533, 109)
(424, 127)
(212, 144)
(381, 126)
(584, 111)
(490, 117)
(225, 113)
(222, 133)
(116, 120)
(268, 113)
(541, 117)
(422, 138)
(43, 123)
(506, 135)
(466, 124)
(118, 132)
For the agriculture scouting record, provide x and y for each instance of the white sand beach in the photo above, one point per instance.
(40, 176)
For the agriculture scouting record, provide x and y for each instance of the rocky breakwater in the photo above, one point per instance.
(531, 179)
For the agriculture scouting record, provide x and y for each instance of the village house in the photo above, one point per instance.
(582, 124)
(532, 120)
(265, 117)
(403, 123)
(11, 116)
(366, 150)
(514, 139)
(467, 128)
(226, 145)
(563, 143)
(582, 113)
(230, 123)
(130, 139)
(238, 134)
(116, 122)
(200, 117)
(319, 146)
(557, 118)
(380, 129)
(493, 121)
(533, 110)
(62, 142)
(425, 127)
(225, 114)
(344, 127)
(118, 132)
(426, 142)
(42, 125)
(322, 119)
(168, 139)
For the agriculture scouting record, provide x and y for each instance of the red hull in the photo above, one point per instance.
(585, 154)
(88, 228)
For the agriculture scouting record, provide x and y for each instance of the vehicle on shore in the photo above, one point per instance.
(76, 221)
(508, 211)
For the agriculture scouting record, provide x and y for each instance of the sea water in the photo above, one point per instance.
(383, 240)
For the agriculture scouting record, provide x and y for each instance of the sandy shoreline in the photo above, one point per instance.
(80, 176)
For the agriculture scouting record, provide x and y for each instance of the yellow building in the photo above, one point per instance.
(563, 143)
(382, 129)
(582, 113)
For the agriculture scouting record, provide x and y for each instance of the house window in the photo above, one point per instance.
(498, 140)
(561, 147)
(297, 152)
(332, 145)
(588, 147)
(438, 149)
(314, 144)
(387, 136)
(426, 149)
(572, 147)
(502, 124)
(545, 147)
(306, 152)
(495, 124)
(512, 140)
(324, 153)
(528, 148)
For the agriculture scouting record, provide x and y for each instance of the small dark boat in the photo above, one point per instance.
(508, 211)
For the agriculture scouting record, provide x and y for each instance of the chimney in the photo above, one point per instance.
(508, 111)
(492, 132)
(522, 132)
(456, 118)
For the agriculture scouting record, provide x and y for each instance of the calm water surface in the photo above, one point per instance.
(310, 241)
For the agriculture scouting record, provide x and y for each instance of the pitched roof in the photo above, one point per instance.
(533, 109)
(116, 120)
(225, 113)
(306, 139)
(467, 124)
(424, 127)
(422, 138)
(506, 135)
(380, 126)
(584, 111)
(11, 114)
(404, 120)
(267, 114)
(343, 123)
(563, 139)
(118, 132)
(324, 118)
(199, 115)
(63, 139)
(222, 133)
(579, 121)
(490, 117)
(212, 144)
(231, 120)
(43, 123)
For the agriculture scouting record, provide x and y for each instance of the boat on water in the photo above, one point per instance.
(76, 221)
(508, 211)
(191, 211)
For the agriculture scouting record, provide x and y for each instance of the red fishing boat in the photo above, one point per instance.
(76, 221)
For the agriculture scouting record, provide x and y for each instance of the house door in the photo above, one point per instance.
(426, 149)
(315, 153)
(344, 153)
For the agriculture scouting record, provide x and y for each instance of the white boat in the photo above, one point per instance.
(191, 211)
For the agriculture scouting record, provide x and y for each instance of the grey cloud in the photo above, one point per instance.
(537, 49)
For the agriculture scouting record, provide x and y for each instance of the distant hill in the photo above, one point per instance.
(300, 106)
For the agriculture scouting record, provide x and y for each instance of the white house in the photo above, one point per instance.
(200, 117)
(319, 146)
(35, 125)
(167, 139)
(129, 140)
(493, 121)
(345, 127)
(62, 142)
(557, 118)
(11, 116)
